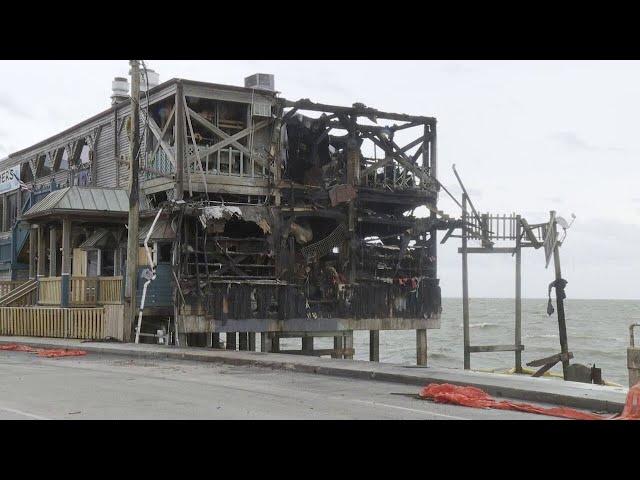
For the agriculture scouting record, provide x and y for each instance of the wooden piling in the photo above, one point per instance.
(374, 345)
(421, 346)
(562, 326)
(465, 286)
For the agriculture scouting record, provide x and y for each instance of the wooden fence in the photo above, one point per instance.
(83, 323)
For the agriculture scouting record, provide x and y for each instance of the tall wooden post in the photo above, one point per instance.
(243, 341)
(348, 344)
(374, 345)
(265, 342)
(562, 326)
(231, 340)
(134, 202)
(41, 252)
(421, 346)
(307, 345)
(465, 286)
(66, 261)
(338, 345)
(518, 339)
(32, 252)
(53, 251)
(180, 127)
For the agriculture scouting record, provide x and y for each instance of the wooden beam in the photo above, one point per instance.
(153, 126)
(508, 250)
(229, 140)
(164, 130)
(205, 123)
(496, 348)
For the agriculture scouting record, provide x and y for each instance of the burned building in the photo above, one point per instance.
(285, 218)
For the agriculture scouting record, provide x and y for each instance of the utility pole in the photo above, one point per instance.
(134, 201)
(560, 284)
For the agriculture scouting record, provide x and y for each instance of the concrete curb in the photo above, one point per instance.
(541, 390)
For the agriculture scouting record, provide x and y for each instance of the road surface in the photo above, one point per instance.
(113, 387)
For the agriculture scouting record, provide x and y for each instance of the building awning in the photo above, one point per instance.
(101, 238)
(163, 231)
(75, 200)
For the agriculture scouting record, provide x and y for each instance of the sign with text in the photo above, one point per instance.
(10, 179)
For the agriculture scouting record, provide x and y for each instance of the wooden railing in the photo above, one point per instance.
(50, 291)
(83, 291)
(109, 290)
(6, 286)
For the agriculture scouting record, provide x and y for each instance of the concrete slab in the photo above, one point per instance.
(540, 390)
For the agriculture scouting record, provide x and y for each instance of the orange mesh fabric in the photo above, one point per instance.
(474, 397)
(43, 352)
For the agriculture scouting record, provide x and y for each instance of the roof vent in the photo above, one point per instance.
(153, 77)
(120, 90)
(260, 81)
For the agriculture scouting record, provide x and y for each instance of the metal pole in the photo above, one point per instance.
(465, 286)
(562, 326)
(134, 201)
(518, 296)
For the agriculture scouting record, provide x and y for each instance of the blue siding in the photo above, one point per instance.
(160, 291)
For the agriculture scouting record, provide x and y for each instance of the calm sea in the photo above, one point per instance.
(598, 332)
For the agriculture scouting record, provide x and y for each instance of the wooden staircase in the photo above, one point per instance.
(22, 295)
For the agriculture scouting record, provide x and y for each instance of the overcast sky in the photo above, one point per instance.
(526, 137)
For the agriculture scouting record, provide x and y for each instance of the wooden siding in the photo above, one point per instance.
(105, 171)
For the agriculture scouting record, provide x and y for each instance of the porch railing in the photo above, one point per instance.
(83, 291)
(6, 286)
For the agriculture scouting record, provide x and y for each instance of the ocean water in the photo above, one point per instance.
(598, 333)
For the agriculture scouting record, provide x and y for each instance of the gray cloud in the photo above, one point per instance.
(572, 141)
(13, 108)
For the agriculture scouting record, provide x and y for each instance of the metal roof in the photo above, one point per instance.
(162, 231)
(82, 199)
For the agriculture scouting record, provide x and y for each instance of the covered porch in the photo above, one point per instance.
(77, 246)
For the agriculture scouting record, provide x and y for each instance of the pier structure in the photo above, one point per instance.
(279, 218)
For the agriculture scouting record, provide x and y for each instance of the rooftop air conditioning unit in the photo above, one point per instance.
(260, 81)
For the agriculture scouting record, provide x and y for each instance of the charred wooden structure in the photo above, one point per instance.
(332, 246)
(285, 218)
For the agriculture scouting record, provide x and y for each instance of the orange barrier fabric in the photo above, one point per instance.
(474, 397)
(43, 352)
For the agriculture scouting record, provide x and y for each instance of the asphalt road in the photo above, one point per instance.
(113, 387)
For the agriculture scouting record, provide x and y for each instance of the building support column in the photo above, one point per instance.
(66, 262)
(348, 344)
(307, 345)
(53, 251)
(231, 340)
(265, 342)
(243, 341)
(374, 345)
(41, 253)
(32, 252)
(337, 346)
(421, 346)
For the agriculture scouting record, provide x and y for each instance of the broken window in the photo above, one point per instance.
(26, 174)
(44, 165)
(62, 160)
